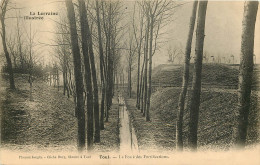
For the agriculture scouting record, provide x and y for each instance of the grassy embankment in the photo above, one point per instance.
(47, 122)
(216, 110)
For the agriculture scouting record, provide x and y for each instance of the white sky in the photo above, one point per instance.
(223, 29)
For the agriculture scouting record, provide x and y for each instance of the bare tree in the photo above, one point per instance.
(173, 53)
(111, 15)
(206, 56)
(19, 40)
(65, 60)
(4, 5)
(130, 60)
(102, 66)
(139, 40)
(185, 80)
(11, 44)
(88, 35)
(196, 82)
(157, 12)
(181, 55)
(88, 77)
(31, 37)
(78, 75)
(144, 95)
(64, 55)
(246, 72)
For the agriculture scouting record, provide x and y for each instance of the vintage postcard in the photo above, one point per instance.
(129, 82)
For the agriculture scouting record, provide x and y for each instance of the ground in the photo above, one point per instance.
(49, 122)
(215, 122)
(216, 118)
(213, 75)
(46, 122)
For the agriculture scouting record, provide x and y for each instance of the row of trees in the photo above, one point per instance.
(149, 18)
(77, 34)
(19, 47)
(89, 36)
(176, 55)
(145, 36)
(245, 76)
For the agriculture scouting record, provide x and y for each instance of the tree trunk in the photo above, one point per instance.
(107, 95)
(246, 72)
(58, 79)
(102, 127)
(109, 65)
(101, 57)
(129, 77)
(145, 68)
(67, 81)
(196, 83)
(7, 56)
(130, 81)
(30, 80)
(123, 81)
(141, 88)
(64, 82)
(65, 87)
(111, 69)
(147, 114)
(88, 77)
(185, 80)
(78, 74)
(105, 66)
(50, 78)
(145, 88)
(94, 81)
(138, 77)
(117, 80)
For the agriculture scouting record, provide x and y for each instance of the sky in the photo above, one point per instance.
(223, 28)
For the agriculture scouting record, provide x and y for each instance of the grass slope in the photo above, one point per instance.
(215, 121)
(48, 122)
(212, 74)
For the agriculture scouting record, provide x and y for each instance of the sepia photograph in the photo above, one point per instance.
(129, 82)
